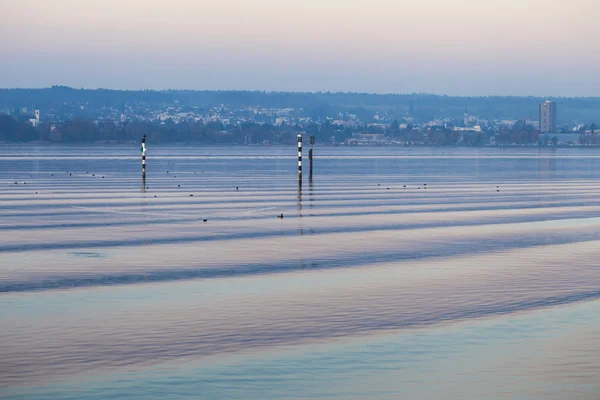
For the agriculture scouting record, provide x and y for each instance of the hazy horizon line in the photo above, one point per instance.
(297, 92)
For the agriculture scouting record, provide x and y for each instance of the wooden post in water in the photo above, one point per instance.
(144, 157)
(143, 149)
(299, 159)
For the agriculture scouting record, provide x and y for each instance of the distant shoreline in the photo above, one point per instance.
(277, 145)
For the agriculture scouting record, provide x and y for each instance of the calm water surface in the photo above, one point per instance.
(395, 272)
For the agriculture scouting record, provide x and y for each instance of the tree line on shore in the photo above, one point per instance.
(88, 131)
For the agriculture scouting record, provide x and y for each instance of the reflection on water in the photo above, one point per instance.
(310, 193)
(547, 162)
(549, 354)
(299, 204)
(381, 290)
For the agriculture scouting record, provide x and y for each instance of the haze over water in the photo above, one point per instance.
(479, 279)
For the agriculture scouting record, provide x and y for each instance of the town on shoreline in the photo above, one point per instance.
(66, 115)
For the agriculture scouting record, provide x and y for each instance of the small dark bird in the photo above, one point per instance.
(15, 183)
(497, 190)
(194, 171)
(93, 174)
(419, 187)
(280, 216)
(379, 184)
(167, 172)
(178, 185)
(147, 187)
(70, 174)
(237, 188)
(52, 174)
(191, 195)
(204, 220)
(388, 188)
(404, 186)
(102, 177)
(35, 192)
(154, 195)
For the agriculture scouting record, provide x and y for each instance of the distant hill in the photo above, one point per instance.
(421, 106)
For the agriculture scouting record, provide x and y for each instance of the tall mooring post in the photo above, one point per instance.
(143, 149)
(300, 159)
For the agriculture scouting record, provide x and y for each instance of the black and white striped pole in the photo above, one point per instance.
(143, 149)
(300, 159)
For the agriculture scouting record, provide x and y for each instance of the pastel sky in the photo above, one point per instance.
(455, 47)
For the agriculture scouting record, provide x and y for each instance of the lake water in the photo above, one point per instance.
(394, 273)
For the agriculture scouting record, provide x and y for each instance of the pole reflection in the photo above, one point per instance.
(310, 193)
(299, 206)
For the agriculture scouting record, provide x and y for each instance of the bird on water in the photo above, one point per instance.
(280, 216)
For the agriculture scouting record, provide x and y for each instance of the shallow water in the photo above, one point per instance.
(479, 279)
